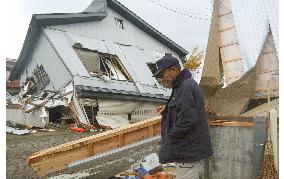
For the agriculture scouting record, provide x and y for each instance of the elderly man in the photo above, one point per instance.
(184, 131)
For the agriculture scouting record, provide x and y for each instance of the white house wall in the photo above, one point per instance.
(63, 46)
(126, 55)
(45, 55)
(139, 110)
(28, 71)
(106, 30)
(137, 60)
(28, 119)
(133, 46)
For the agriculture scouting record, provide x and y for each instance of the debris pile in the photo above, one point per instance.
(18, 129)
(149, 168)
(50, 108)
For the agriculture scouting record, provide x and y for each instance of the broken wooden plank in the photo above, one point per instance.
(232, 123)
(43, 162)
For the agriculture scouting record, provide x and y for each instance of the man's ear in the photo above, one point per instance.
(174, 70)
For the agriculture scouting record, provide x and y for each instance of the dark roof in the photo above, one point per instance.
(40, 21)
(234, 99)
(87, 91)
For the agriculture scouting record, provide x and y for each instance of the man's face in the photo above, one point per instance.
(167, 76)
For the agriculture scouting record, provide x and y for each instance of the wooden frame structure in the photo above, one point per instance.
(224, 60)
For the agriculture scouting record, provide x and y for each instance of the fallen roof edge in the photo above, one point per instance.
(39, 22)
(84, 91)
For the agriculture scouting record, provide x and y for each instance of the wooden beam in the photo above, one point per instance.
(229, 28)
(151, 130)
(43, 162)
(232, 60)
(232, 123)
(229, 44)
(220, 15)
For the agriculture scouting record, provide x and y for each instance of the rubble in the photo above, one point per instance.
(18, 131)
(77, 129)
(149, 168)
(46, 107)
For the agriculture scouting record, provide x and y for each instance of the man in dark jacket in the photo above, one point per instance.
(184, 130)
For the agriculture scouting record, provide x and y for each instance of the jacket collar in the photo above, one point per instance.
(183, 75)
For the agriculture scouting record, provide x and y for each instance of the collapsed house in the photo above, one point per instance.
(105, 55)
(240, 74)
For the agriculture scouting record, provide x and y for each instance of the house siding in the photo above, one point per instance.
(106, 30)
(45, 55)
(133, 46)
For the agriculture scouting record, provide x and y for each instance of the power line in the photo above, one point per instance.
(178, 12)
(193, 2)
(182, 10)
(195, 16)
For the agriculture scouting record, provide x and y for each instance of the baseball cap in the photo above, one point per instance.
(164, 63)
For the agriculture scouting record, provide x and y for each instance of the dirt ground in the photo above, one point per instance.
(18, 148)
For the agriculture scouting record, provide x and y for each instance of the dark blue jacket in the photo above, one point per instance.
(184, 130)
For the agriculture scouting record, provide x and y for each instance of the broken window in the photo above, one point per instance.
(119, 23)
(40, 77)
(99, 64)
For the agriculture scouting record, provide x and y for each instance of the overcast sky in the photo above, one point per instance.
(184, 21)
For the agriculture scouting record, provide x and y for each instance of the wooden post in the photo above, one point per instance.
(274, 135)
(268, 97)
(92, 121)
(121, 140)
(91, 149)
(151, 130)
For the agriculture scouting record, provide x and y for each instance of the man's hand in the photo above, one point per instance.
(160, 109)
